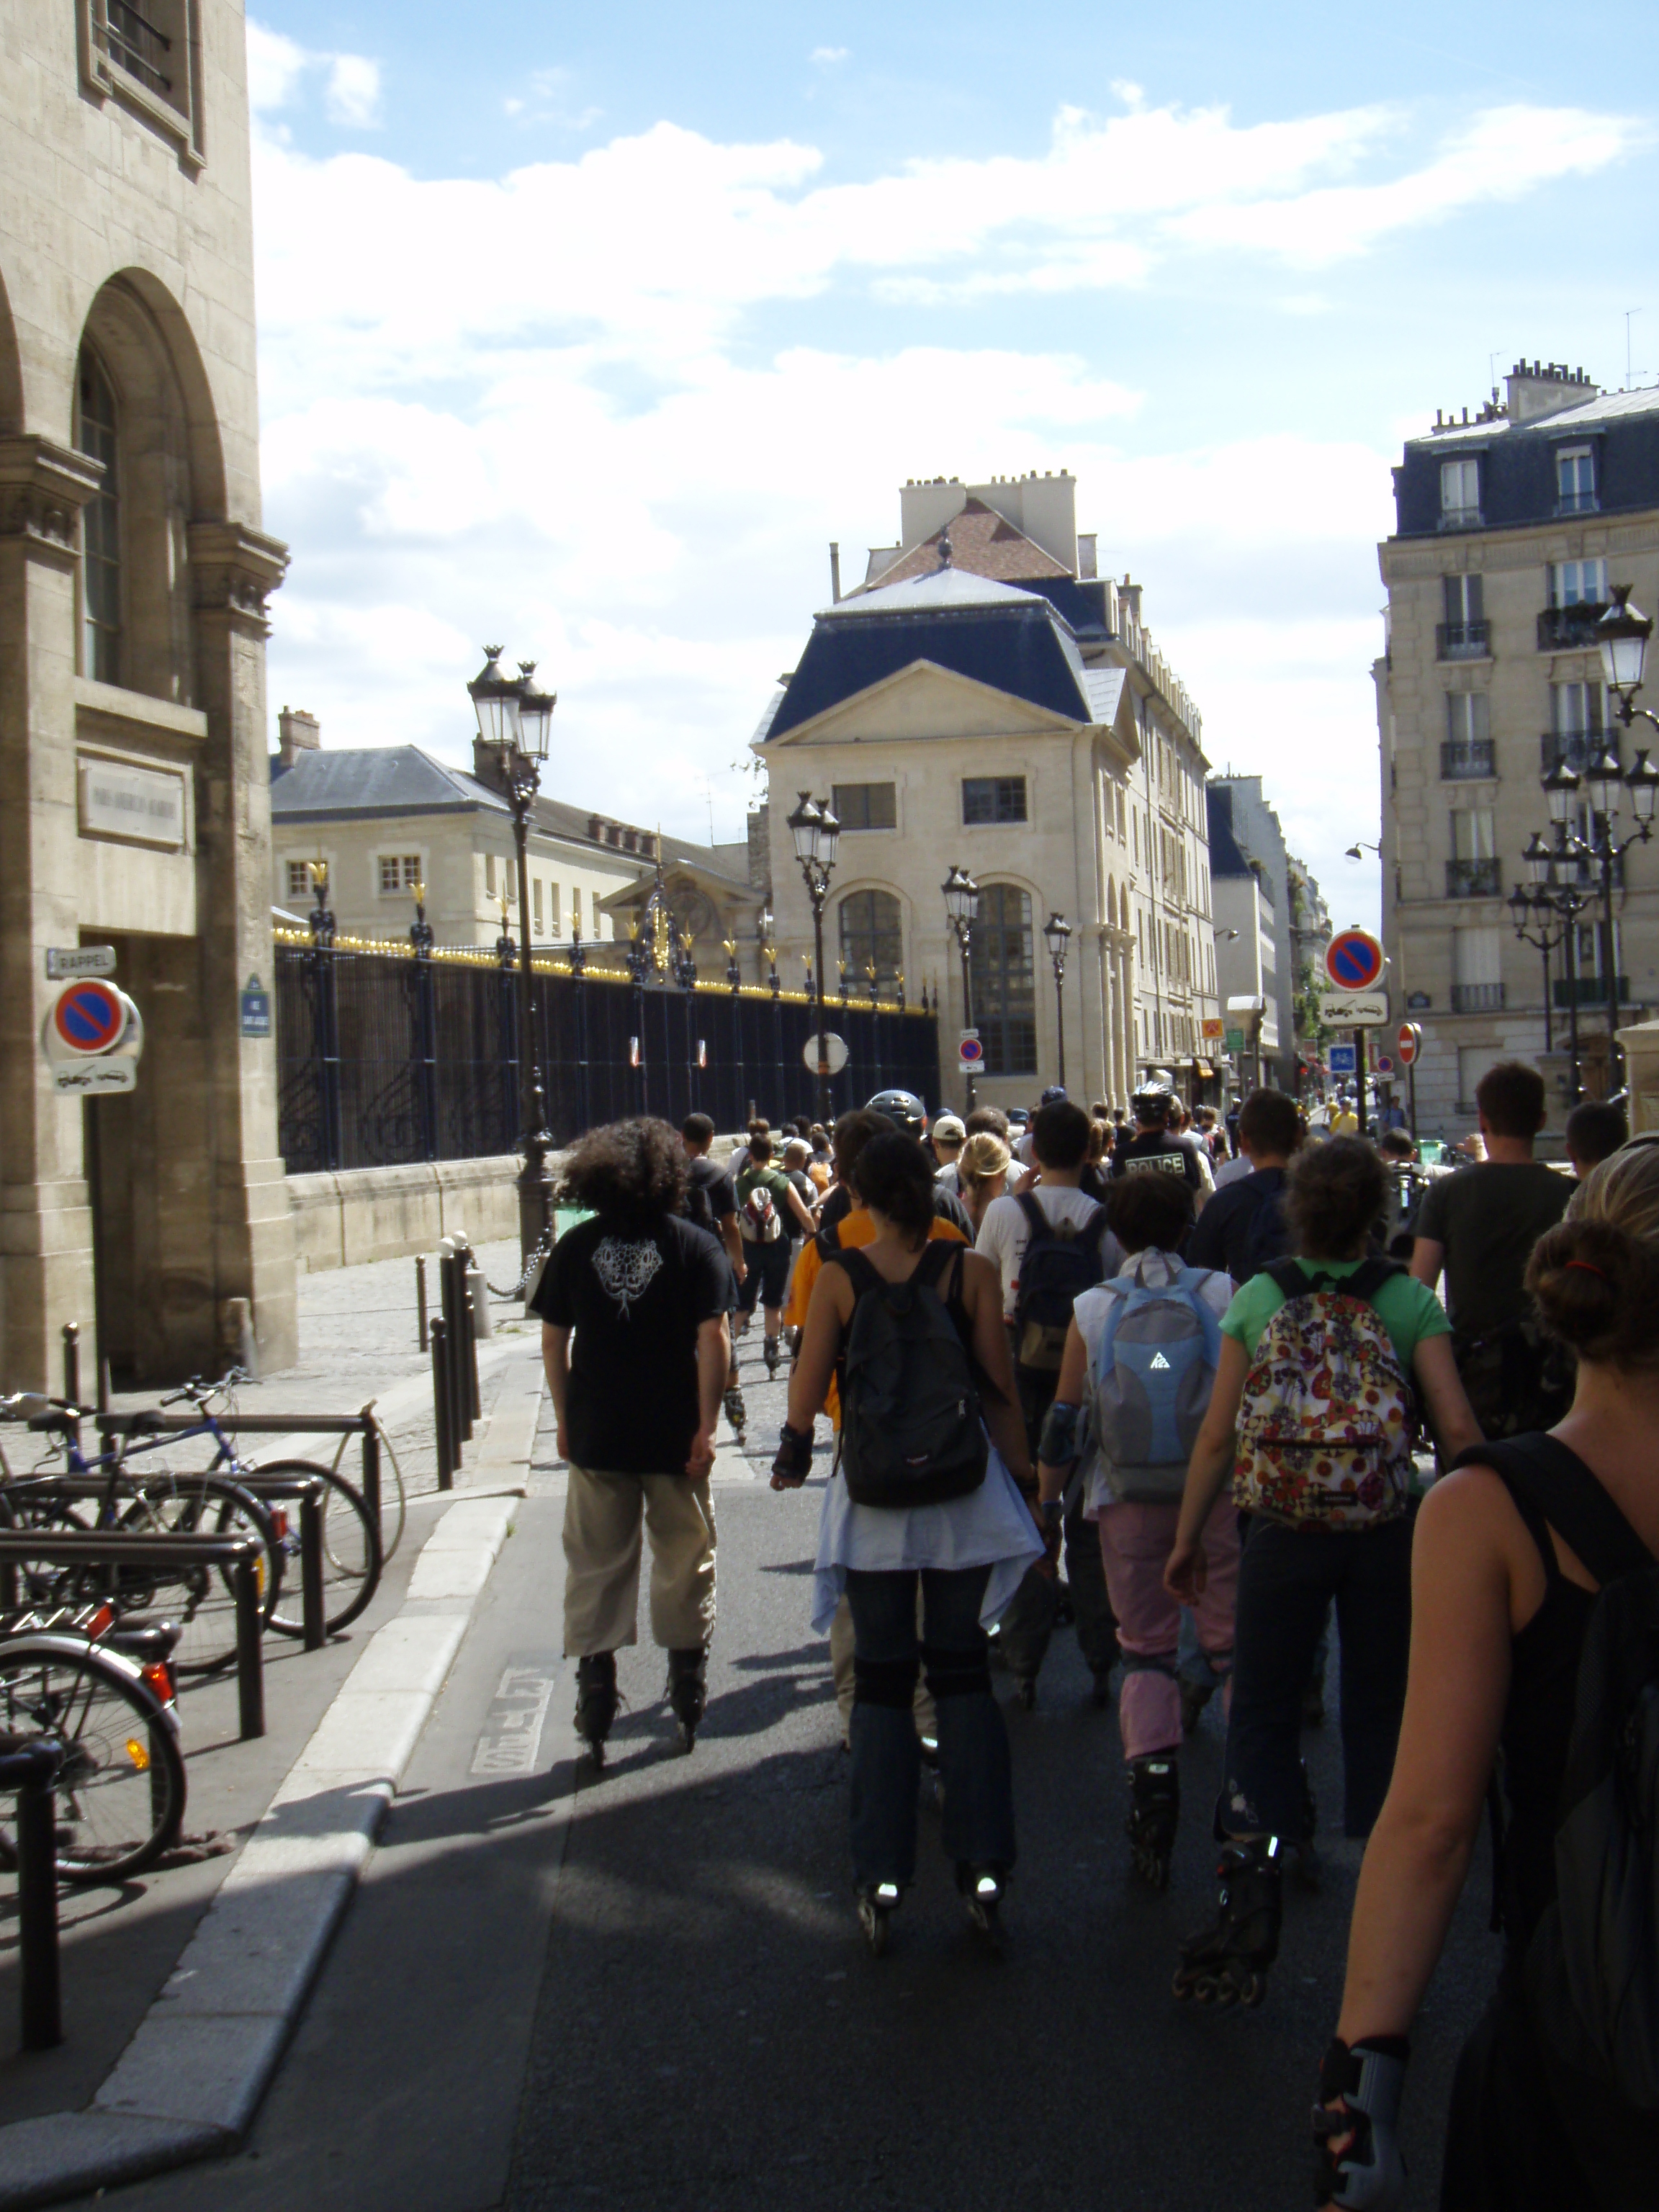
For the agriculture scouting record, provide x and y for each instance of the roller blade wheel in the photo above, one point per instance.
(1154, 1817)
(1194, 1696)
(596, 1702)
(688, 1694)
(769, 1353)
(736, 1412)
(877, 1901)
(1228, 1964)
(981, 1891)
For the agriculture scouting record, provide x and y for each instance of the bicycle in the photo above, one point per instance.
(119, 1793)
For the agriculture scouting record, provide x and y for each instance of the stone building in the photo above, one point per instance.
(1511, 528)
(133, 578)
(1245, 829)
(984, 699)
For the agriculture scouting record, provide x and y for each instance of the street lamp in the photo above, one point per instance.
(962, 904)
(1057, 933)
(514, 722)
(817, 833)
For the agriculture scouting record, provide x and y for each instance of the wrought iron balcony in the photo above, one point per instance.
(1467, 760)
(1475, 878)
(1465, 641)
(1588, 990)
(136, 43)
(1459, 517)
(1578, 748)
(1568, 629)
(1477, 997)
(1577, 503)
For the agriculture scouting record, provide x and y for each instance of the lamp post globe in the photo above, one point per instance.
(1622, 635)
(961, 895)
(495, 697)
(1560, 789)
(817, 833)
(1057, 934)
(535, 715)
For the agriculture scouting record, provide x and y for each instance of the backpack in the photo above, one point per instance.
(1592, 1964)
(761, 1223)
(1152, 1369)
(1062, 1260)
(1267, 1238)
(1325, 1427)
(699, 1209)
(910, 1428)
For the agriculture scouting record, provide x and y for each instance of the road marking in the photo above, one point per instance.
(513, 1728)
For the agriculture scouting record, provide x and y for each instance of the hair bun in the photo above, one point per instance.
(1595, 1285)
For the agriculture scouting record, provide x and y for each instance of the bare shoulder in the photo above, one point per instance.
(1470, 1512)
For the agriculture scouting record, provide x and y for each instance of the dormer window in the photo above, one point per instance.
(1459, 494)
(1575, 480)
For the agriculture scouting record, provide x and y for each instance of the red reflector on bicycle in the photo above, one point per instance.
(279, 1524)
(101, 1621)
(160, 1678)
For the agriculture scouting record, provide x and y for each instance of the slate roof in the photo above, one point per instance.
(981, 540)
(1010, 641)
(1518, 462)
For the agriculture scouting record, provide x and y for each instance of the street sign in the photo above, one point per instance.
(971, 1053)
(1353, 960)
(1342, 1059)
(1353, 1010)
(1383, 1065)
(1419, 1002)
(1235, 1040)
(256, 1009)
(64, 961)
(95, 1079)
(89, 1019)
(834, 1053)
(1410, 1041)
(1213, 1029)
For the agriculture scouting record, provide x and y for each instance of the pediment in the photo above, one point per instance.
(922, 700)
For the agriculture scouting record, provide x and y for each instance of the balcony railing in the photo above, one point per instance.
(1568, 629)
(1475, 878)
(1465, 641)
(1459, 517)
(1588, 990)
(1578, 748)
(1467, 760)
(136, 43)
(1577, 503)
(1477, 997)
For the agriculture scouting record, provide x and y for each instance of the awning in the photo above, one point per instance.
(1204, 1069)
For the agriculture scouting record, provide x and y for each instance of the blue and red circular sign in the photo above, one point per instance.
(971, 1053)
(1353, 960)
(90, 1017)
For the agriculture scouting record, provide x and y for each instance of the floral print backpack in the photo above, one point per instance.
(1325, 1430)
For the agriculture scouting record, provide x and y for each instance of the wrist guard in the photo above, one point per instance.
(1057, 1446)
(1369, 2175)
(794, 1459)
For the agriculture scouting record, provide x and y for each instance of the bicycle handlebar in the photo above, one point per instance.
(198, 1390)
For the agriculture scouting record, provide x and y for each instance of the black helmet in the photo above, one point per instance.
(902, 1108)
(1053, 1095)
(1152, 1100)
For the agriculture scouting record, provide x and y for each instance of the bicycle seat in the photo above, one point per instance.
(150, 1646)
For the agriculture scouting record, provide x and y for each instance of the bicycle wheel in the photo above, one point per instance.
(351, 1553)
(202, 1600)
(120, 1799)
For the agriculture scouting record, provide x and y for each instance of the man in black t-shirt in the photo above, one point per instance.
(1243, 1229)
(712, 1203)
(636, 1396)
(1152, 1149)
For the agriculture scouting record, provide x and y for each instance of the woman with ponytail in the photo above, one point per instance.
(1502, 1592)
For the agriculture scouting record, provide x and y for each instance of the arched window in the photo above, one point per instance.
(871, 937)
(100, 526)
(1005, 980)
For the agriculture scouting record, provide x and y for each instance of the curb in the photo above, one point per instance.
(189, 2083)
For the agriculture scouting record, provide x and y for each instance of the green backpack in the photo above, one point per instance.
(910, 1426)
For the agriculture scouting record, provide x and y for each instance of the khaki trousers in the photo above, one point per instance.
(841, 1670)
(604, 1518)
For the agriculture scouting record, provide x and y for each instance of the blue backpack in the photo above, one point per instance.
(1149, 1378)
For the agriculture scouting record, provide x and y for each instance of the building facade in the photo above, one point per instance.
(1246, 840)
(134, 575)
(1025, 727)
(1511, 528)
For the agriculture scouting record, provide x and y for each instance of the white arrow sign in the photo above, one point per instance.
(1353, 1010)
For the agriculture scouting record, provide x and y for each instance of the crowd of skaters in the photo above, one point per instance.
(1207, 1368)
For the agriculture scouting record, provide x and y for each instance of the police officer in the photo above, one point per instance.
(1152, 1149)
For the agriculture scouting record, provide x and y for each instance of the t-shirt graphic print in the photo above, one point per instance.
(625, 1269)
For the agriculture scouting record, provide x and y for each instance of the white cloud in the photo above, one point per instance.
(278, 67)
(354, 90)
(826, 56)
(275, 66)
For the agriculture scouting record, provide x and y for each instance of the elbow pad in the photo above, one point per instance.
(1058, 1444)
(794, 1459)
(1369, 2175)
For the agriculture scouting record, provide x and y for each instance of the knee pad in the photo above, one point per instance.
(955, 1674)
(884, 1681)
(1138, 1662)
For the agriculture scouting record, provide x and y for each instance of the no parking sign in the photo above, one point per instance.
(93, 1036)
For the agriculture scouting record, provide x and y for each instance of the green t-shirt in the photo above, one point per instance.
(1409, 1310)
(770, 1179)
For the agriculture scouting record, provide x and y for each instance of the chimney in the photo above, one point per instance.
(1129, 594)
(297, 732)
(835, 573)
(1086, 542)
(1540, 387)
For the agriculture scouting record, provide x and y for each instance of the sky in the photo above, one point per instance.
(584, 332)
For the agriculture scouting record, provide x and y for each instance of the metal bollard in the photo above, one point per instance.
(457, 1328)
(314, 1611)
(441, 1408)
(372, 1459)
(250, 1658)
(72, 1362)
(420, 1294)
(37, 1909)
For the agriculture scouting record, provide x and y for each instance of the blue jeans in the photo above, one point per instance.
(1287, 1581)
(978, 1813)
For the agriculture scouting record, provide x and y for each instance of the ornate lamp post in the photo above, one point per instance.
(1057, 933)
(817, 833)
(962, 904)
(514, 721)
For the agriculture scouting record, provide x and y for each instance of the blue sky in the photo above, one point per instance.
(587, 329)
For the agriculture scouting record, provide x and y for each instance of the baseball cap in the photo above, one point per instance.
(948, 1128)
(1052, 1095)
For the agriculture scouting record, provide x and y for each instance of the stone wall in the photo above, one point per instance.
(381, 1213)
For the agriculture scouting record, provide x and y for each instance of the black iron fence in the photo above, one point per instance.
(386, 1058)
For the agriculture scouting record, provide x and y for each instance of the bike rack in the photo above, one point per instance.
(240, 1554)
(29, 1772)
(362, 1425)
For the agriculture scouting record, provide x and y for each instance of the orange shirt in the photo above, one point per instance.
(855, 1229)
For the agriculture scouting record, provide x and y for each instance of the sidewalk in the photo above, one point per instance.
(186, 1981)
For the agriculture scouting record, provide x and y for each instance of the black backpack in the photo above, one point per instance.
(1592, 1966)
(910, 1428)
(1061, 1260)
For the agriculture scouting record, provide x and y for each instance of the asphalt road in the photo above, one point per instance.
(646, 1988)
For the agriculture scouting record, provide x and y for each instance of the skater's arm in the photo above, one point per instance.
(731, 1237)
(1207, 1471)
(804, 1220)
(1427, 1259)
(555, 1360)
(1419, 1852)
(820, 1334)
(714, 1365)
(981, 1293)
(1068, 1392)
(1451, 1417)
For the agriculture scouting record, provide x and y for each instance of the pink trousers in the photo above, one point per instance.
(1134, 1543)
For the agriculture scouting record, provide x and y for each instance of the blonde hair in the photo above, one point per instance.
(1596, 1277)
(983, 1158)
